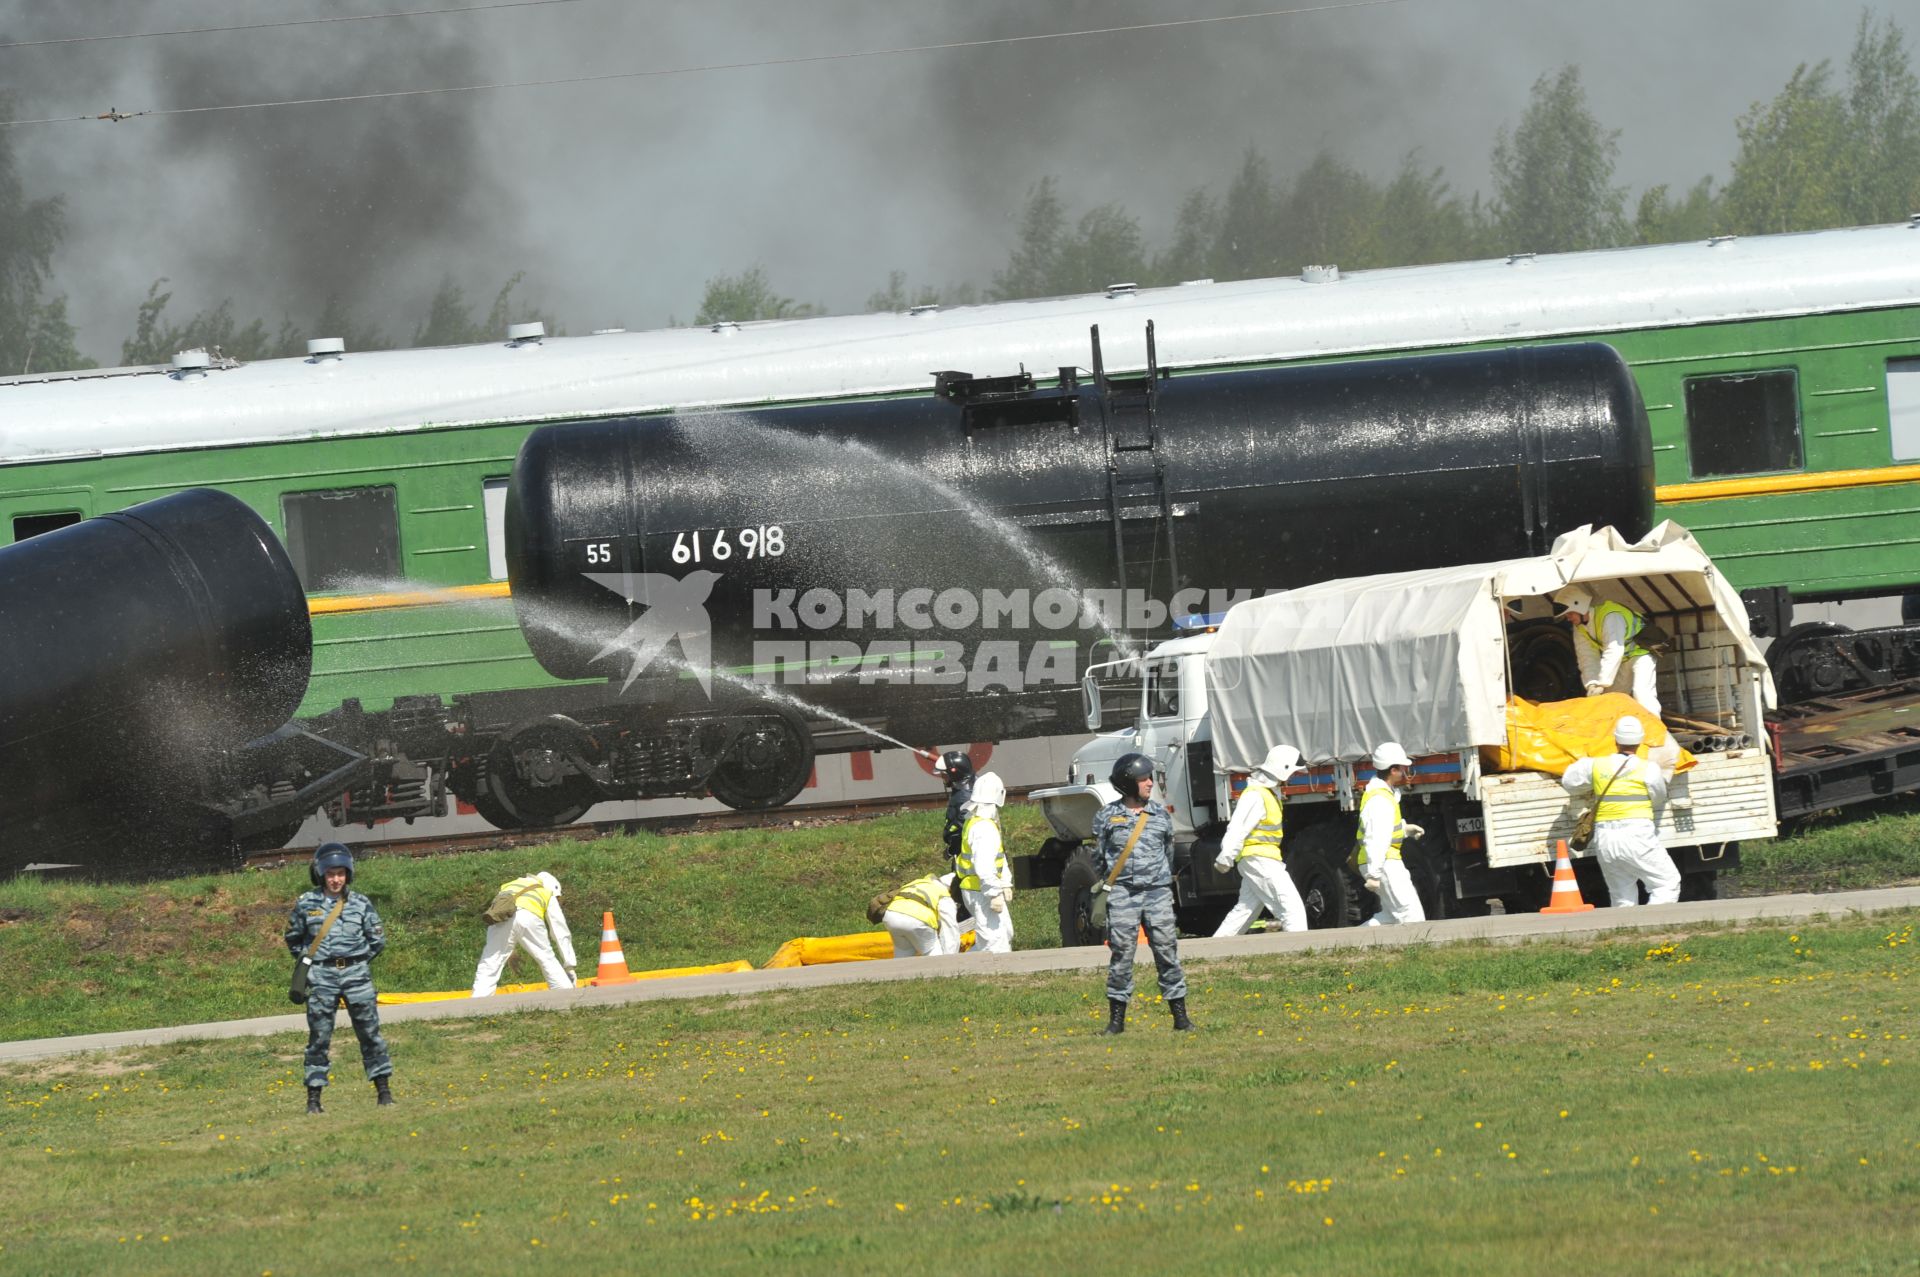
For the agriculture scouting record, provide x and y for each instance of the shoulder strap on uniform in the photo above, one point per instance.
(328, 924)
(1132, 838)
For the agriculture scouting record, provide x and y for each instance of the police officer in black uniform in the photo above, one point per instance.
(955, 770)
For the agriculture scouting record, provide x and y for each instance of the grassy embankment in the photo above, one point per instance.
(1723, 1102)
(85, 958)
(89, 958)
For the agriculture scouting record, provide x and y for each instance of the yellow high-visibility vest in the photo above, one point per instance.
(1264, 839)
(1386, 794)
(920, 900)
(530, 894)
(1596, 628)
(1626, 796)
(969, 880)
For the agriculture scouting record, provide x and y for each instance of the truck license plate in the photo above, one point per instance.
(1470, 825)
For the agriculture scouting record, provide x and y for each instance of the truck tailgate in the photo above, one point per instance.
(1732, 796)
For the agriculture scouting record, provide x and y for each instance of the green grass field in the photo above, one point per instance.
(1729, 1101)
(90, 958)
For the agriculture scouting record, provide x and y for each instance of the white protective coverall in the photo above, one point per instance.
(1264, 881)
(1628, 851)
(913, 938)
(1380, 829)
(539, 912)
(1603, 664)
(983, 854)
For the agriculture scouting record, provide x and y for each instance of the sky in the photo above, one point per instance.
(619, 199)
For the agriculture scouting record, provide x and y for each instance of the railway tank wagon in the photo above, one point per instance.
(142, 649)
(1781, 376)
(806, 532)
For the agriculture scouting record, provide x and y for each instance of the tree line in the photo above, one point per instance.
(1834, 147)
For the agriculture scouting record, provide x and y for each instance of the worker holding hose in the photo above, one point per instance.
(985, 880)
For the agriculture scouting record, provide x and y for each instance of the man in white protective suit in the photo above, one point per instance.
(1626, 789)
(1377, 841)
(1605, 641)
(985, 879)
(534, 902)
(1252, 842)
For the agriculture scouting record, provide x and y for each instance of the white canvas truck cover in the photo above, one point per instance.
(1419, 657)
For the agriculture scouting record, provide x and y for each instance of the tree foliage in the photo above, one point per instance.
(1819, 155)
(1553, 186)
(35, 335)
(748, 296)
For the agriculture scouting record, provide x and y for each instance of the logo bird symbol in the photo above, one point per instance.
(676, 609)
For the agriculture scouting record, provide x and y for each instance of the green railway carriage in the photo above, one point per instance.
(1781, 376)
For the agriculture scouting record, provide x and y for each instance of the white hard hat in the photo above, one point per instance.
(1574, 599)
(1389, 754)
(550, 882)
(1281, 762)
(1629, 731)
(988, 790)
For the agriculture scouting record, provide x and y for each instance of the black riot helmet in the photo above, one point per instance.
(330, 855)
(954, 767)
(1128, 771)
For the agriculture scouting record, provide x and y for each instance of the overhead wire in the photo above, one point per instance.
(289, 22)
(797, 60)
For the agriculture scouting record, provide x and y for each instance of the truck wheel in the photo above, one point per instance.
(1314, 862)
(1076, 901)
(1425, 859)
(1704, 885)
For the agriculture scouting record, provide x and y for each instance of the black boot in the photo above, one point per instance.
(313, 1100)
(1179, 1008)
(1116, 1016)
(380, 1088)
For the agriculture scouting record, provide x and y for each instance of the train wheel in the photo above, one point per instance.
(1076, 900)
(768, 764)
(1806, 662)
(527, 784)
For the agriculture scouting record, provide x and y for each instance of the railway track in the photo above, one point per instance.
(811, 815)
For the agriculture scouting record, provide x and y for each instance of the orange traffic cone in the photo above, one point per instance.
(613, 963)
(1566, 888)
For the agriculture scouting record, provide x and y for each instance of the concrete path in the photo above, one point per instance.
(1500, 930)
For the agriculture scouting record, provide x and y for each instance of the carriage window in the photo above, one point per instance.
(494, 494)
(342, 538)
(1744, 423)
(32, 525)
(1903, 408)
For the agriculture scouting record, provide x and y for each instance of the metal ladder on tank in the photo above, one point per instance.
(1136, 466)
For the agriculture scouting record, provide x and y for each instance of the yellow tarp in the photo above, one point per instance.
(812, 951)
(1549, 736)
(665, 973)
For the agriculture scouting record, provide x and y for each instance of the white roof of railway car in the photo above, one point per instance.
(106, 412)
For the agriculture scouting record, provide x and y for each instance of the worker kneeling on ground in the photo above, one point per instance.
(1252, 842)
(1604, 634)
(1376, 850)
(340, 932)
(985, 879)
(1133, 849)
(1626, 788)
(522, 913)
(920, 917)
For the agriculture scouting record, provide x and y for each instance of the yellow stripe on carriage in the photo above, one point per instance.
(334, 603)
(1774, 484)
